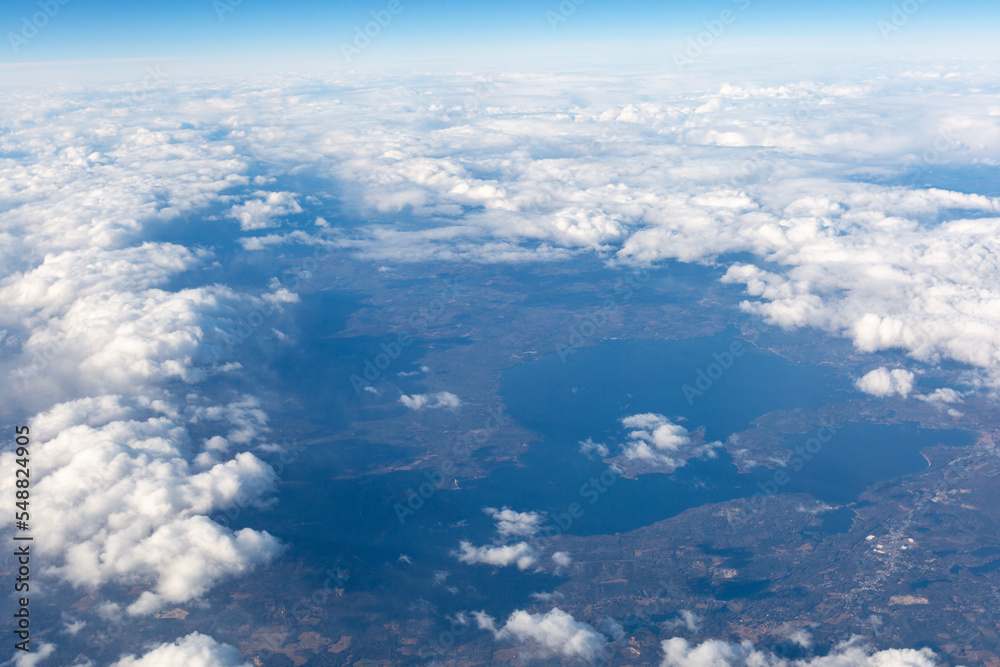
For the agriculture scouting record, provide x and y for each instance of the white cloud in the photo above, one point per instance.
(510, 524)
(37, 656)
(61, 279)
(686, 619)
(124, 502)
(547, 597)
(517, 524)
(561, 559)
(800, 636)
(194, 650)
(441, 399)
(261, 213)
(854, 653)
(521, 554)
(656, 439)
(712, 653)
(98, 331)
(942, 395)
(248, 420)
(122, 341)
(589, 447)
(883, 382)
(74, 627)
(552, 633)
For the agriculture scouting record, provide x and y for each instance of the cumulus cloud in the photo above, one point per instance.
(799, 636)
(37, 656)
(509, 524)
(521, 554)
(853, 653)
(118, 341)
(125, 489)
(883, 382)
(591, 448)
(262, 212)
(552, 633)
(194, 650)
(686, 619)
(441, 399)
(654, 438)
(561, 559)
(942, 395)
(125, 502)
(98, 339)
(63, 278)
(518, 524)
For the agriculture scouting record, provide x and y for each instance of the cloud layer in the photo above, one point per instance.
(820, 188)
(124, 502)
(109, 331)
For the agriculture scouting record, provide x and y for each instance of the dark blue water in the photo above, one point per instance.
(837, 521)
(587, 396)
(861, 454)
(330, 521)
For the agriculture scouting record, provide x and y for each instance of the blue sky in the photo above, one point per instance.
(441, 30)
